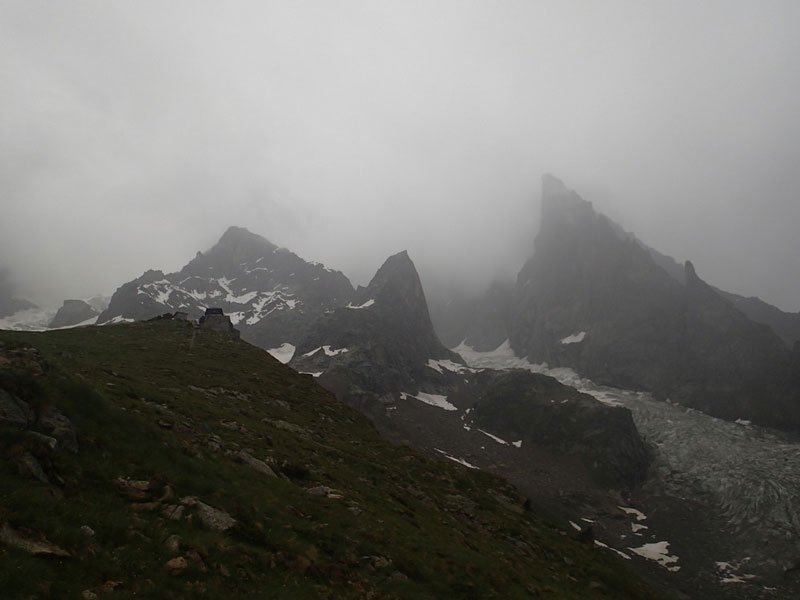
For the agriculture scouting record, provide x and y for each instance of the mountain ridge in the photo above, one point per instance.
(271, 294)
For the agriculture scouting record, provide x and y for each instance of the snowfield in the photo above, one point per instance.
(30, 319)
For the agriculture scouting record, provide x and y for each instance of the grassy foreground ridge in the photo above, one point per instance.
(205, 468)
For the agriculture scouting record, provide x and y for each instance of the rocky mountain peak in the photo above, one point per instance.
(397, 276)
(272, 295)
(236, 246)
(396, 288)
(241, 236)
(561, 204)
(594, 298)
(690, 273)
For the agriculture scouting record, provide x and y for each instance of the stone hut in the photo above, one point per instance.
(216, 320)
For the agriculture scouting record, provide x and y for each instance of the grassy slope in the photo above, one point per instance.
(452, 532)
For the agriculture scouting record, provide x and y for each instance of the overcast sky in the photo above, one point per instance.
(133, 133)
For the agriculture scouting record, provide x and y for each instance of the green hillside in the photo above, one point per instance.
(205, 468)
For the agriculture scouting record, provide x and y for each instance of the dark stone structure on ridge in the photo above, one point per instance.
(216, 320)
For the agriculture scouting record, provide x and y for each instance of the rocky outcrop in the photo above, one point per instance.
(594, 298)
(271, 294)
(73, 312)
(30, 541)
(379, 343)
(785, 324)
(538, 410)
(21, 405)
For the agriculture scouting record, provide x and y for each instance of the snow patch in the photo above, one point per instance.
(518, 443)
(328, 351)
(640, 516)
(575, 338)
(366, 304)
(494, 437)
(283, 353)
(503, 357)
(600, 544)
(460, 461)
(658, 552)
(118, 319)
(728, 574)
(448, 365)
(235, 317)
(86, 323)
(432, 399)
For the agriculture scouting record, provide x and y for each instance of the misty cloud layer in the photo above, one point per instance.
(132, 134)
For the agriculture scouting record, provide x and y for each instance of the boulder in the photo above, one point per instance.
(258, 465)
(30, 542)
(56, 425)
(73, 312)
(212, 518)
(14, 411)
(540, 411)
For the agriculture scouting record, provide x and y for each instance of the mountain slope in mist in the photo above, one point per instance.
(594, 298)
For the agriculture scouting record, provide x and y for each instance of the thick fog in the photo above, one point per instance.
(133, 133)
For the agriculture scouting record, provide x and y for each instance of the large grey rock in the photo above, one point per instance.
(540, 411)
(29, 466)
(212, 518)
(14, 411)
(258, 465)
(55, 424)
(30, 542)
(73, 312)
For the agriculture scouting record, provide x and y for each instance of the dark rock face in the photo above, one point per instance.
(271, 294)
(73, 312)
(26, 412)
(594, 298)
(786, 325)
(379, 343)
(519, 405)
(14, 411)
(381, 355)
